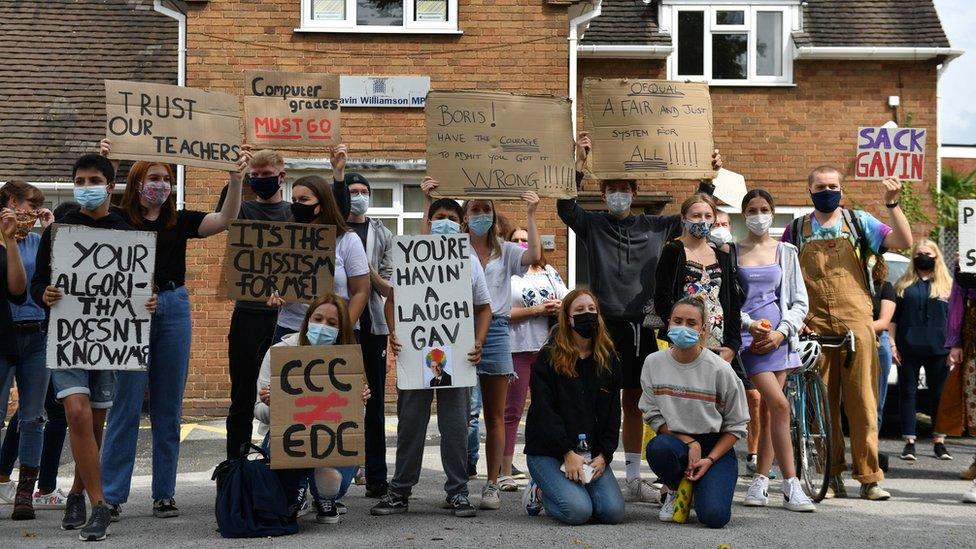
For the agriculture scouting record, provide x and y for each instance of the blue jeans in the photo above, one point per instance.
(293, 481)
(884, 357)
(474, 426)
(54, 432)
(32, 377)
(573, 503)
(668, 458)
(169, 360)
(936, 372)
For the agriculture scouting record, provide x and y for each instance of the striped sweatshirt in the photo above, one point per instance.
(702, 397)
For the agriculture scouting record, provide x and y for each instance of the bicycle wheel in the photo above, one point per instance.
(812, 442)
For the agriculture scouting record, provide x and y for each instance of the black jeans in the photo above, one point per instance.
(374, 361)
(54, 433)
(249, 339)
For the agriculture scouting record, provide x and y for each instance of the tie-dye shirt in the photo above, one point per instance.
(874, 231)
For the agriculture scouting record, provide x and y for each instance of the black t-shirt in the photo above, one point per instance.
(8, 341)
(884, 291)
(171, 245)
(361, 229)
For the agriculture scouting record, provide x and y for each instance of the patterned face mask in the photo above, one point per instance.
(155, 193)
(25, 222)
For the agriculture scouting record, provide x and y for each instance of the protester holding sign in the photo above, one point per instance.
(575, 400)
(772, 316)
(623, 247)
(919, 325)
(378, 242)
(149, 203)
(835, 245)
(413, 406)
(326, 322)
(86, 394)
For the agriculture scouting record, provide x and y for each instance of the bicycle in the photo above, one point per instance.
(810, 425)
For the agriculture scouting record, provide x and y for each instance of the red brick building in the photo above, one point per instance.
(790, 82)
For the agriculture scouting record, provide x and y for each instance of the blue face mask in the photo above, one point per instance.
(444, 226)
(321, 334)
(90, 198)
(826, 201)
(698, 229)
(683, 337)
(358, 204)
(480, 224)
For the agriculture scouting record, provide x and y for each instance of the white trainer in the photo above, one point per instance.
(758, 494)
(7, 492)
(643, 491)
(55, 500)
(667, 508)
(795, 499)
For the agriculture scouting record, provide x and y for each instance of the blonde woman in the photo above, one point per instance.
(919, 326)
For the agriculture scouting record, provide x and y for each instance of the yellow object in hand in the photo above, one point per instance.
(682, 504)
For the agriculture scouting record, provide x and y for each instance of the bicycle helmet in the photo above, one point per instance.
(809, 352)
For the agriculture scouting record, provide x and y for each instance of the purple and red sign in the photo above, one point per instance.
(890, 152)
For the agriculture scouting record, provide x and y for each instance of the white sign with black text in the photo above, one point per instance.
(384, 91)
(967, 236)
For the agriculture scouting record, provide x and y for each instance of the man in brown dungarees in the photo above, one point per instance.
(838, 282)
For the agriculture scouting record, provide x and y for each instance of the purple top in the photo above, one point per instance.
(957, 314)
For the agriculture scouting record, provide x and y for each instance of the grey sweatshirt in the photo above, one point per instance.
(702, 397)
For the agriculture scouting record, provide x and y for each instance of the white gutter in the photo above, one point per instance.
(180, 81)
(577, 25)
(624, 52)
(875, 53)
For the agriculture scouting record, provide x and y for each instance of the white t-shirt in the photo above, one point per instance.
(498, 274)
(350, 261)
(529, 290)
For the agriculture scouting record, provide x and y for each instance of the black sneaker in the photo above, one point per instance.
(165, 508)
(941, 452)
(326, 511)
(377, 489)
(75, 512)
(908, 454)
(115, 511)
(390, 504)
(462, 506)
(97, 527)
(472, 471)
(517, 474)
(341, 507)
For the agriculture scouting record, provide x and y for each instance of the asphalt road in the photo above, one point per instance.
(925, 511)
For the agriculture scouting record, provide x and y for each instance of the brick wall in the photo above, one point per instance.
(962, 166)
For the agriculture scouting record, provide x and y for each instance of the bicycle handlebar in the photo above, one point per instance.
(845, 341)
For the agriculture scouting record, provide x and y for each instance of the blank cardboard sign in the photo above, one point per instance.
(316, 406)
(174, 124)
(648, 129)
(297, 260)
(500, 145)
(291, 110)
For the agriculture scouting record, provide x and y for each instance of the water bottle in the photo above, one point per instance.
(682, 504)
(583, 449)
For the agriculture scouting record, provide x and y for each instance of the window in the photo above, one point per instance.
(731, 45)
(380, 16)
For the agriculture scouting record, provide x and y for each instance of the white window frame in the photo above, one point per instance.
(775, 232)
(308, 24)
(751, 10)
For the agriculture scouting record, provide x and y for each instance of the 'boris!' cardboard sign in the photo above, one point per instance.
(316, 406)
(500, 145)
(890, 152)
(649, 129)
(174, 124)
(291, 110)
(296, 260)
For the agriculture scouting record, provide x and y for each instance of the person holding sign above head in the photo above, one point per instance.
(149, 203)
(835, 245)
(86, 394)
(573, 425)
(326, 322)
(413, 406)
(501, 261)
(378, 242)
(623, 247)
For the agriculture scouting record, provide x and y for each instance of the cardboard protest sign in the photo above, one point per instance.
(297, 260)
(291, 109)
(500, 145)
(652, 129)
(890, 152)
(316, 406)
(967, 236)
(162, 123)
(434, 311)
(106, 276)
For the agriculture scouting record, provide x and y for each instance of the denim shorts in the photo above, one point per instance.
(99, 385)
(496, 355)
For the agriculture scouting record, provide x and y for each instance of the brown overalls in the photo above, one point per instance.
(839, 301)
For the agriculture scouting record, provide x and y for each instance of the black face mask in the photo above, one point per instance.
(303, 213)
(924, 262)
(585, 324)
(265, 187)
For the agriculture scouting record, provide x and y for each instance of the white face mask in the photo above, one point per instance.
(720, 236)
(618, 203)
(759, 224)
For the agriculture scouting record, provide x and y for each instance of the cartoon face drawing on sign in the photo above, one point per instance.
(439, 369)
